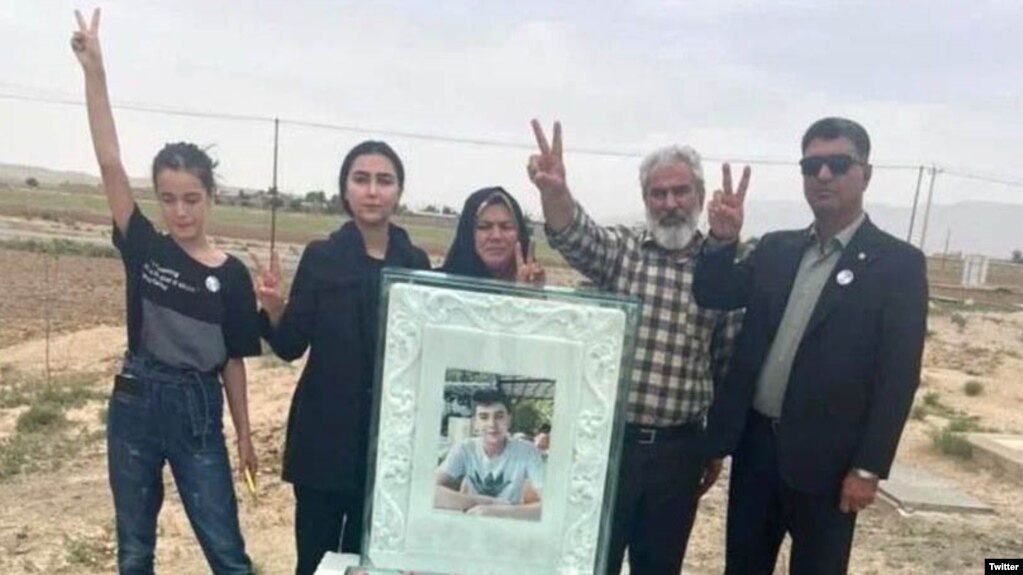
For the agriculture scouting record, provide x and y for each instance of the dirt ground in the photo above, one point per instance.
(57, 517)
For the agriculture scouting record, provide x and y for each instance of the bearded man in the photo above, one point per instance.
(681, 348)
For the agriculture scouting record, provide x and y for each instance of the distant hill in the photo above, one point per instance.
(17, 174)
(988, 228)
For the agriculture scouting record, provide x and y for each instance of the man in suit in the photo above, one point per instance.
(825, 367)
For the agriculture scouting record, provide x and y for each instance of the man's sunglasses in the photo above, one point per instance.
(837, 164)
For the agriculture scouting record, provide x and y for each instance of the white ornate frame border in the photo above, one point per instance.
(600, 327)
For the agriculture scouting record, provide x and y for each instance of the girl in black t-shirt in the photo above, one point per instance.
(191, 321)
(332, 311)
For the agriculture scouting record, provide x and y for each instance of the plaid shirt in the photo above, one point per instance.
(681, 349)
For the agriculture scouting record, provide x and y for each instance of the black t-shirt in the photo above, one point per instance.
(180, 311)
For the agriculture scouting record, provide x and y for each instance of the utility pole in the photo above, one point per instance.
(916, 198)
(927, 210)
(948, 238)
(273, 193)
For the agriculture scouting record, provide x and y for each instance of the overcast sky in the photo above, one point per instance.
(933, 81)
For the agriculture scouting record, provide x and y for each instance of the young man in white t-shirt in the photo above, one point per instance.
(488, 474)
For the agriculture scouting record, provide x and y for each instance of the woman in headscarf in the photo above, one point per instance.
(492, 240)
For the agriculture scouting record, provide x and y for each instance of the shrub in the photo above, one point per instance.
(919, 412)
(41, 417)
(959, 320)
(973, 388)
(951, 443)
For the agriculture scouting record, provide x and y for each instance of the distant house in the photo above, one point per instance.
(246, 197)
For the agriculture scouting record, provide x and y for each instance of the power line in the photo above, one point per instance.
(982, 178)
(447, 139)
(142, 108)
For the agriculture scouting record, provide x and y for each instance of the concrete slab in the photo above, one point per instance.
(914, 489)
(1001, 451)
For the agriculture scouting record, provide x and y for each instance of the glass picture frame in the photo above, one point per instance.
(454, 484)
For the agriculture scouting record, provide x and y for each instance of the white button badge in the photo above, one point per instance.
(213, 284)
(844, 277)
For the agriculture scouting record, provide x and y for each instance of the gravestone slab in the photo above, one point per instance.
(999, 450)
(914, 489)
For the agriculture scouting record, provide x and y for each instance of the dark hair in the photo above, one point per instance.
(462, 258)
(489, 396)
(833, 128)
(366, 148)
(190, 158)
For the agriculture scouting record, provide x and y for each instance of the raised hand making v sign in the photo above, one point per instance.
(191, 319)
(680, 350)
(85, 44)
(547, 171)
(529, 270)
(725, 213)
(85, 41)
(269, 286)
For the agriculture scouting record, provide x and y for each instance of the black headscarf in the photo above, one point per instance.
(462, 258)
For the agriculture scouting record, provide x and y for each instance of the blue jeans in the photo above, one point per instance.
(157, 414)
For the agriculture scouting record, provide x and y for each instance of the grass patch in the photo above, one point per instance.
(958, 320)
(61, 247)
(72, 391)
(951, 443)
(958, 421)
(23, 453)
(432, 234)
(89, 552)
(14, 396)
(973, 388)
(942, 308)
(919, 413)
(42, 417)
(64, 391)
(44, 438)
(964, 424)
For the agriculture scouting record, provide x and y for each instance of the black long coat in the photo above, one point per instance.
(333, 311)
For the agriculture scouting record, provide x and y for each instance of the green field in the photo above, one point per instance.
(235, 222)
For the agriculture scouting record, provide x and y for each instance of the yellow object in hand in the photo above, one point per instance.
(250, 482)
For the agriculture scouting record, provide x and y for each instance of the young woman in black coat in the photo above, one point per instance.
(492, 240)
(332, 310)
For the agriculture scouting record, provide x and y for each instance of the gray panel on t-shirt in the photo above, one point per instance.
(181, 341)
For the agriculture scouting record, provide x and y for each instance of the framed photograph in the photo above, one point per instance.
(498, 415)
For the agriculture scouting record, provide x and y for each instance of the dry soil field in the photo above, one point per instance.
(57, 515)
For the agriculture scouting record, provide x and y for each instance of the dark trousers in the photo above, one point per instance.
(162, 415)
(326, 520)
(656, 500)
(762, 508)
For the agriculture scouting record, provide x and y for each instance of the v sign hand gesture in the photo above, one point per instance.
(269, 287)
(528, 270)
(85, 42)
(546, 169)
(726, 208)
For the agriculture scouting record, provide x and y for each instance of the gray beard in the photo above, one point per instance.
(675, 236)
